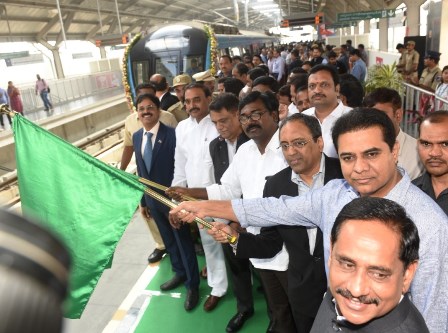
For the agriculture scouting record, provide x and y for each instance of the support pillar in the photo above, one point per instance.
(443, 48)
(383, 25)
(58, 64)
(413, 16)
(103, 52)
(366, 26)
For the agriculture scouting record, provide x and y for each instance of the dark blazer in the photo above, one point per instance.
(306, 273)
(220, 156)
(167, 101)
(162, 163)
(294, 64)
(404, 318)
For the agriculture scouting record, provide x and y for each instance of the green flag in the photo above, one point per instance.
(87, 203)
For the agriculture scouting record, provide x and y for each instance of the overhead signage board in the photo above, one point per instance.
(360, 16)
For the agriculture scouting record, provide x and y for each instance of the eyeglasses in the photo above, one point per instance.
(254, 116)
(147, 108)
(297, 144)
(322, 85)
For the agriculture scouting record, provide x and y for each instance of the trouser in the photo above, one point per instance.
(275, 285)
(155, 233)
(44, 96)
(180, 247)
(241, 278)
(216, 266)
(1, 120)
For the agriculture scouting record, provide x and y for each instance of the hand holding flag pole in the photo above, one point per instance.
(153, 194)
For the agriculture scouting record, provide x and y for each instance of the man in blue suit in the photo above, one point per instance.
(154, 147)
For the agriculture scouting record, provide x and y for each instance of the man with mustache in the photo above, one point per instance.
(433, 151)
(373, 259)
(323, 92)
(154, 147)
(366, 143)
(131, 125)
(301, 143)
(193, 136)
(246, 176)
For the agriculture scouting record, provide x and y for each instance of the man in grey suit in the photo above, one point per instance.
(373, 259)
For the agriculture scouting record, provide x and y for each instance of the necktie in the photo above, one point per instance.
(147, 153)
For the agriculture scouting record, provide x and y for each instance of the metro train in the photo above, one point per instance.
(190, 47)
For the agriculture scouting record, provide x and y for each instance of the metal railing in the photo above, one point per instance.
(70, 89)
(417, 103)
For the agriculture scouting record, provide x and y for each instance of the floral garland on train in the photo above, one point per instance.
(213, 48)
(128, 82)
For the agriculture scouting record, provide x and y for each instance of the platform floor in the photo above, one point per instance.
(127, 298)
(129, 263)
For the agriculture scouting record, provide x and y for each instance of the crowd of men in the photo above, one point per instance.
(341, 214)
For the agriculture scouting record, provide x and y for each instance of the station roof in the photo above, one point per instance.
(39, 21)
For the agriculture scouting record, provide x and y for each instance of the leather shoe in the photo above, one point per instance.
(238, 321)
(156, 256)
(175, 282)
(211, 302)
(192, 299)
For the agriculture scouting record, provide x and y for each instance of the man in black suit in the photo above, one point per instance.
(154, 147)
(373, 259)
(302, 145)
(163, 91)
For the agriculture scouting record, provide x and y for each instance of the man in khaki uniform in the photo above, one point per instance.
(208, 80)
(179, 84)
(432, 70)
(429, 81)
(402, 61)
(411, 63)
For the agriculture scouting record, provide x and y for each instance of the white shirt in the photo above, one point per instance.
(246, 176)
(278, 66)
(154, 130)
(327, 125)
(408, 157)
(318, 181)
(192, 141)
(292, 108)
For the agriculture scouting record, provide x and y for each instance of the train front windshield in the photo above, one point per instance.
(168, 66)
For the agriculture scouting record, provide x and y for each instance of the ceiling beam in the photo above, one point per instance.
(67, 22)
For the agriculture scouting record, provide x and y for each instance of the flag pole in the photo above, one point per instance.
(163, 188)
(169, 203)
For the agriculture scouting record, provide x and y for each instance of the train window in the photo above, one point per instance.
(140, 71)
(168, 67)
(235, 51)
(193, 64)
(167, 43)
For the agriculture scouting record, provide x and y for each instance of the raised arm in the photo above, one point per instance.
(188, 210)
